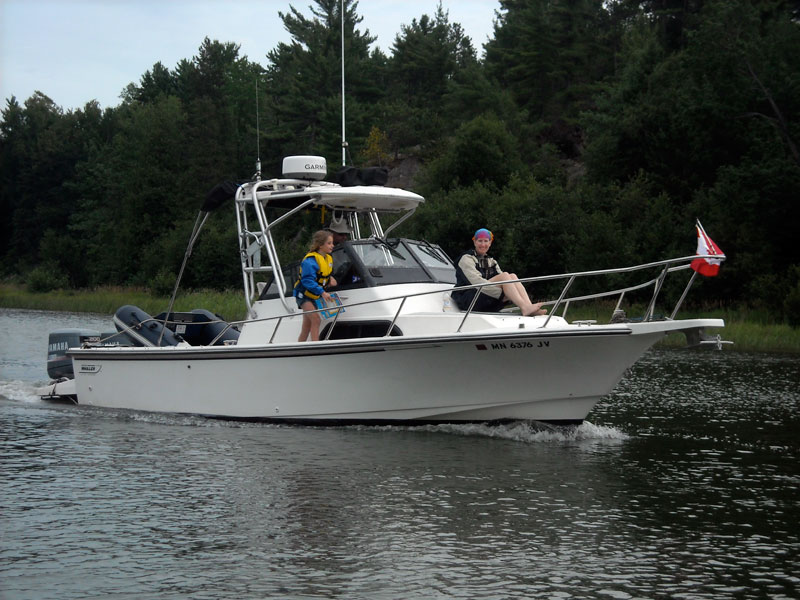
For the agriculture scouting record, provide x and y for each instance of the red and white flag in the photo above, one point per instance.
(705, 245)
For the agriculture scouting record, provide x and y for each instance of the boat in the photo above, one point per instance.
(393, 347)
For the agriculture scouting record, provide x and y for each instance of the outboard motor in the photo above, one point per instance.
(142, 329)
(58, 363)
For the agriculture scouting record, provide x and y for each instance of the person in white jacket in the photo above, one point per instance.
(475, 267)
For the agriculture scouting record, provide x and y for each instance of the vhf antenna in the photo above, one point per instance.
(344, 141)
(258, 140)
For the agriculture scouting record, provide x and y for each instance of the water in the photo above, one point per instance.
(683, 485)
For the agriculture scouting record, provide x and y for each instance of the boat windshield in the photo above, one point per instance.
(434, 259)
(400, 261)
(384, 255)
(374, 263)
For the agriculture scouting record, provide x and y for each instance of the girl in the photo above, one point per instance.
(315, 274)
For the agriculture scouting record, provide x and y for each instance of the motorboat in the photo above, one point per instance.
(393, 347)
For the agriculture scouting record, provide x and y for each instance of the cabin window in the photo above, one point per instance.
(359, 329)
(380, 255)
(435, 260)
(389, 263)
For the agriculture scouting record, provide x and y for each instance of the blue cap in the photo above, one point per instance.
(483, 233)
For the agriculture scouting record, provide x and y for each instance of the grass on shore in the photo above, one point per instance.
(106, 300)
(749, 330)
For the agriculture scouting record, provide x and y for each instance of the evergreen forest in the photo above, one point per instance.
(586, 134)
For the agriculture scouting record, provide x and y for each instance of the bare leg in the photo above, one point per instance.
(535, 308)
(515, 292)
(304, 329)
(315, 321)
(310, 323)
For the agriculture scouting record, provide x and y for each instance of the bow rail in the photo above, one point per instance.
(666, 267)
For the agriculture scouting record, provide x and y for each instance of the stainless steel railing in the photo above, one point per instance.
(665, 267)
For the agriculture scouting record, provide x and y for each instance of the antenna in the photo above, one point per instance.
(258, 139)
(344, 140)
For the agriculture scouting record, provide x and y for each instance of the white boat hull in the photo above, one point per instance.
(63, 389)
(551, 375)
(433, 363)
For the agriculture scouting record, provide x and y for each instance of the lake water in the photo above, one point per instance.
(682, 484)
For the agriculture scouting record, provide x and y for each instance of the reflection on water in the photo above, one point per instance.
(683, 485)
(736, 398)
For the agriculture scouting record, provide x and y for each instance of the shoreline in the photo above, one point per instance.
(747, 334)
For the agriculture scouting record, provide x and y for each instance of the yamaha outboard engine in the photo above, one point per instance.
(58, 363)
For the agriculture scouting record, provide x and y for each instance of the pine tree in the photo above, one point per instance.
(304, 82)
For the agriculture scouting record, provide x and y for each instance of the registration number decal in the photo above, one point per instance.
(514, 345)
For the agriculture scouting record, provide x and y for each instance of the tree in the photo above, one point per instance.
(672, 19)
(154, 83)
(304, 82)
(482, 150)
(12, 151)
(713, 125)
(129, 201)
(427, 56)
(551, 55)
(41, 147)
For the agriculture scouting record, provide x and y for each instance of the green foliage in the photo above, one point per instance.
(46, 278)
(482, 150)
(63, 253)
(376, 151)
(304, 81)
(791, 305)
(214, 263)
(551, 56)
(163, 283)
(429, 56)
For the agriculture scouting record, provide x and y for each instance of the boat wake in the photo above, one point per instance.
(528, 432)
(18, 390)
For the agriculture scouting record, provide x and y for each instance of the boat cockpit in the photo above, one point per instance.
(373, 263)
